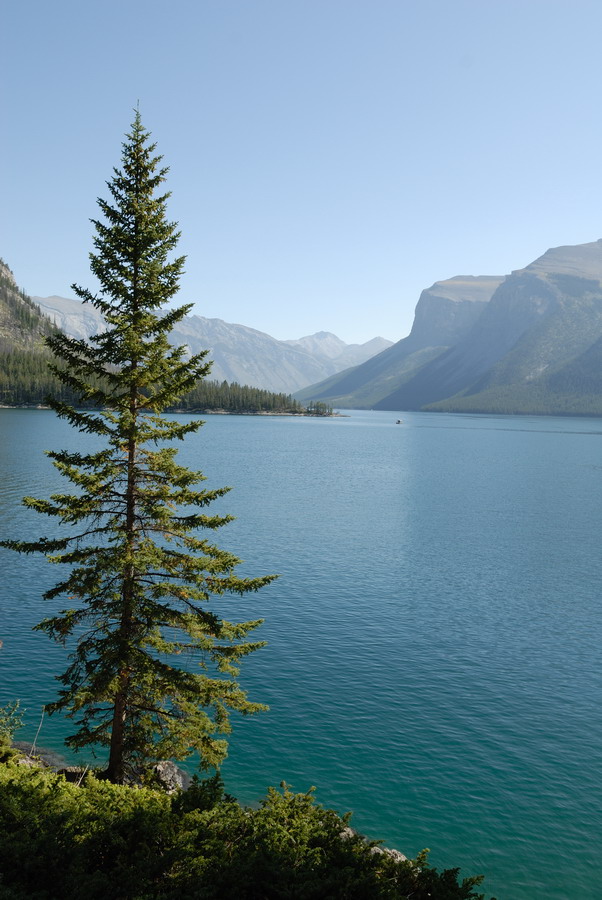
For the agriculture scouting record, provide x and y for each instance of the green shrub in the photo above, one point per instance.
(99, 840)
(11, 719)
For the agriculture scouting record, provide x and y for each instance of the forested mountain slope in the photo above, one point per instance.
(24, 375)
(22, 325)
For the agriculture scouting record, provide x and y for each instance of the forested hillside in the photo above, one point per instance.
(22, 326)
(25, 377)
(24, 374)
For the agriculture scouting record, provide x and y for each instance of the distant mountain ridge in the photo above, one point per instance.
(326, 345)
(239, 353)
(534, 345)
(528, 342)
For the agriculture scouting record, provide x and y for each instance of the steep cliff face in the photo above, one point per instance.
(445, 313)
(515, 307)
(538, 321)
(447, 310)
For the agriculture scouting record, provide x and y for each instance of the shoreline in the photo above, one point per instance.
(207, 412)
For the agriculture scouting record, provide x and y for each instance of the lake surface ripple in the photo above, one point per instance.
(434, 640)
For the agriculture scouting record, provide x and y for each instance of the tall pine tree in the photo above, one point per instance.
(141, 573)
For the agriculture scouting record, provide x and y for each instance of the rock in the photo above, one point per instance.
(31, 762)
(169, 777)
(397, 855)
(348, 833)
(43, 758)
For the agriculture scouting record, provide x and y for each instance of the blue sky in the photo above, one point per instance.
(328, 159)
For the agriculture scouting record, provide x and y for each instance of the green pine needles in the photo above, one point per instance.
(141, 573)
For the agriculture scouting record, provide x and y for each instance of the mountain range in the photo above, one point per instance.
(239, 353)
(527, 342)
(530, 342)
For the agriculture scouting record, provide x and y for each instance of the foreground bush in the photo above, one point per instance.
(98, 841)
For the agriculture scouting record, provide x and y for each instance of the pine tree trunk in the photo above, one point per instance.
(116, 768)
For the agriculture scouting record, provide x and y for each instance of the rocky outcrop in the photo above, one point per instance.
(169, 777)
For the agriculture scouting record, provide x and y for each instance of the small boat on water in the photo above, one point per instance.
(399, 422)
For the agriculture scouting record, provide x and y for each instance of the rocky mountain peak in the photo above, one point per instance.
(580, 260)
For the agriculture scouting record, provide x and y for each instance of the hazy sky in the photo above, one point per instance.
(329, 158)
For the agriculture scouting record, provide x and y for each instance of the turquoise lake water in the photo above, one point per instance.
(434, 658)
